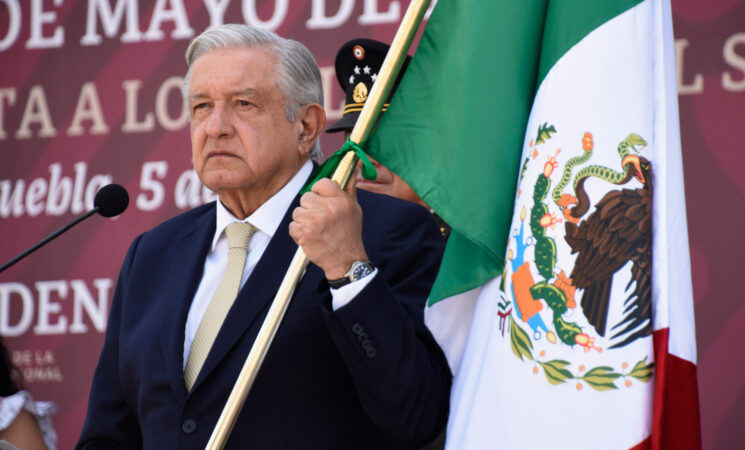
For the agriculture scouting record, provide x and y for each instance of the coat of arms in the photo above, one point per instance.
(578, 269)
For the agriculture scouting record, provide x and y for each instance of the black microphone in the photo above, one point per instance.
(111, 200)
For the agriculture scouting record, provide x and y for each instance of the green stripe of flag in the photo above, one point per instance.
(455, 129)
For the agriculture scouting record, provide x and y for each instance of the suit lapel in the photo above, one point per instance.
(255, 297)
(184, 275)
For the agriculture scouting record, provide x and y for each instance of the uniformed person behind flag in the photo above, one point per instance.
(357, 66)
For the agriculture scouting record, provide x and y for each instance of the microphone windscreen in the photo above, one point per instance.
(111, 200)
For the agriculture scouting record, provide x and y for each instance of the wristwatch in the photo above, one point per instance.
(359, 270)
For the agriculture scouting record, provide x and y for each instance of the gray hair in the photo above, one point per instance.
(298, 76)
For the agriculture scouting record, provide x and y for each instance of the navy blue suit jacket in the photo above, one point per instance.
(319, 387)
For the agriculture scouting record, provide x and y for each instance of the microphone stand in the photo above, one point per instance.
(49, 238)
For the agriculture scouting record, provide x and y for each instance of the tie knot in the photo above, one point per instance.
(239, 234)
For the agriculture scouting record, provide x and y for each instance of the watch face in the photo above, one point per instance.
(360, 270)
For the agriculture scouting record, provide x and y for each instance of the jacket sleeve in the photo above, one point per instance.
(400, 374)
(110, 422)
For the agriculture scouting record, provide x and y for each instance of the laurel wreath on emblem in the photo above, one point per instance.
(557, 290)
(601, 378)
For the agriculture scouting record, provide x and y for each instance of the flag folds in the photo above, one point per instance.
(546, 134)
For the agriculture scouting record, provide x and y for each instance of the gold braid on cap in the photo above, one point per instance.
(357, 107)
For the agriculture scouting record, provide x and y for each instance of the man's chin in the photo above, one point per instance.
(222, 185)
(216, 177)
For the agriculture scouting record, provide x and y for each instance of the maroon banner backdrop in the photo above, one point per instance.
(90, 94)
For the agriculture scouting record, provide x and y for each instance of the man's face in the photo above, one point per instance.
(242, 142)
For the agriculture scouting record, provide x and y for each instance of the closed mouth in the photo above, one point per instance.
(218, 153)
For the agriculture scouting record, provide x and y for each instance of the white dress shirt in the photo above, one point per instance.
(266, 219)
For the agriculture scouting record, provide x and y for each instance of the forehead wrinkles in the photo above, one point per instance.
(243, 70)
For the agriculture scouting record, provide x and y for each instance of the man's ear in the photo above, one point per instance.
(311, 119)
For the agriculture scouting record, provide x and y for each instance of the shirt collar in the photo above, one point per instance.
(269, 215)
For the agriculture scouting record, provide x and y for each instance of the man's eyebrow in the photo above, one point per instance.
(245, 91)
(196, 96)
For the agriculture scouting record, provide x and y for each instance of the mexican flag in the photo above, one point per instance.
(546, 134)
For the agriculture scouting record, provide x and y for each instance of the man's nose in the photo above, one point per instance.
(220, 122)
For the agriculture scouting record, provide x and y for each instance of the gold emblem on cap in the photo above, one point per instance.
(360, 93)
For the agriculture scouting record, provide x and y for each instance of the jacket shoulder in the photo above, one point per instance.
(182, 223)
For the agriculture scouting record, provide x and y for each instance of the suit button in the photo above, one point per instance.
(356, 328)
(370, 352)
(367, 344)
(189, 426)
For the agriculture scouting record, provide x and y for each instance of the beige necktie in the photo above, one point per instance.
(239, 234)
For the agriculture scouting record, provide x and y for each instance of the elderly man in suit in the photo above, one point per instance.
(353, 365)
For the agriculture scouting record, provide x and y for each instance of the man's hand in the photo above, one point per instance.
(328, 226)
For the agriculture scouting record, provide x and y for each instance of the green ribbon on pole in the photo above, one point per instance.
(327, 169)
